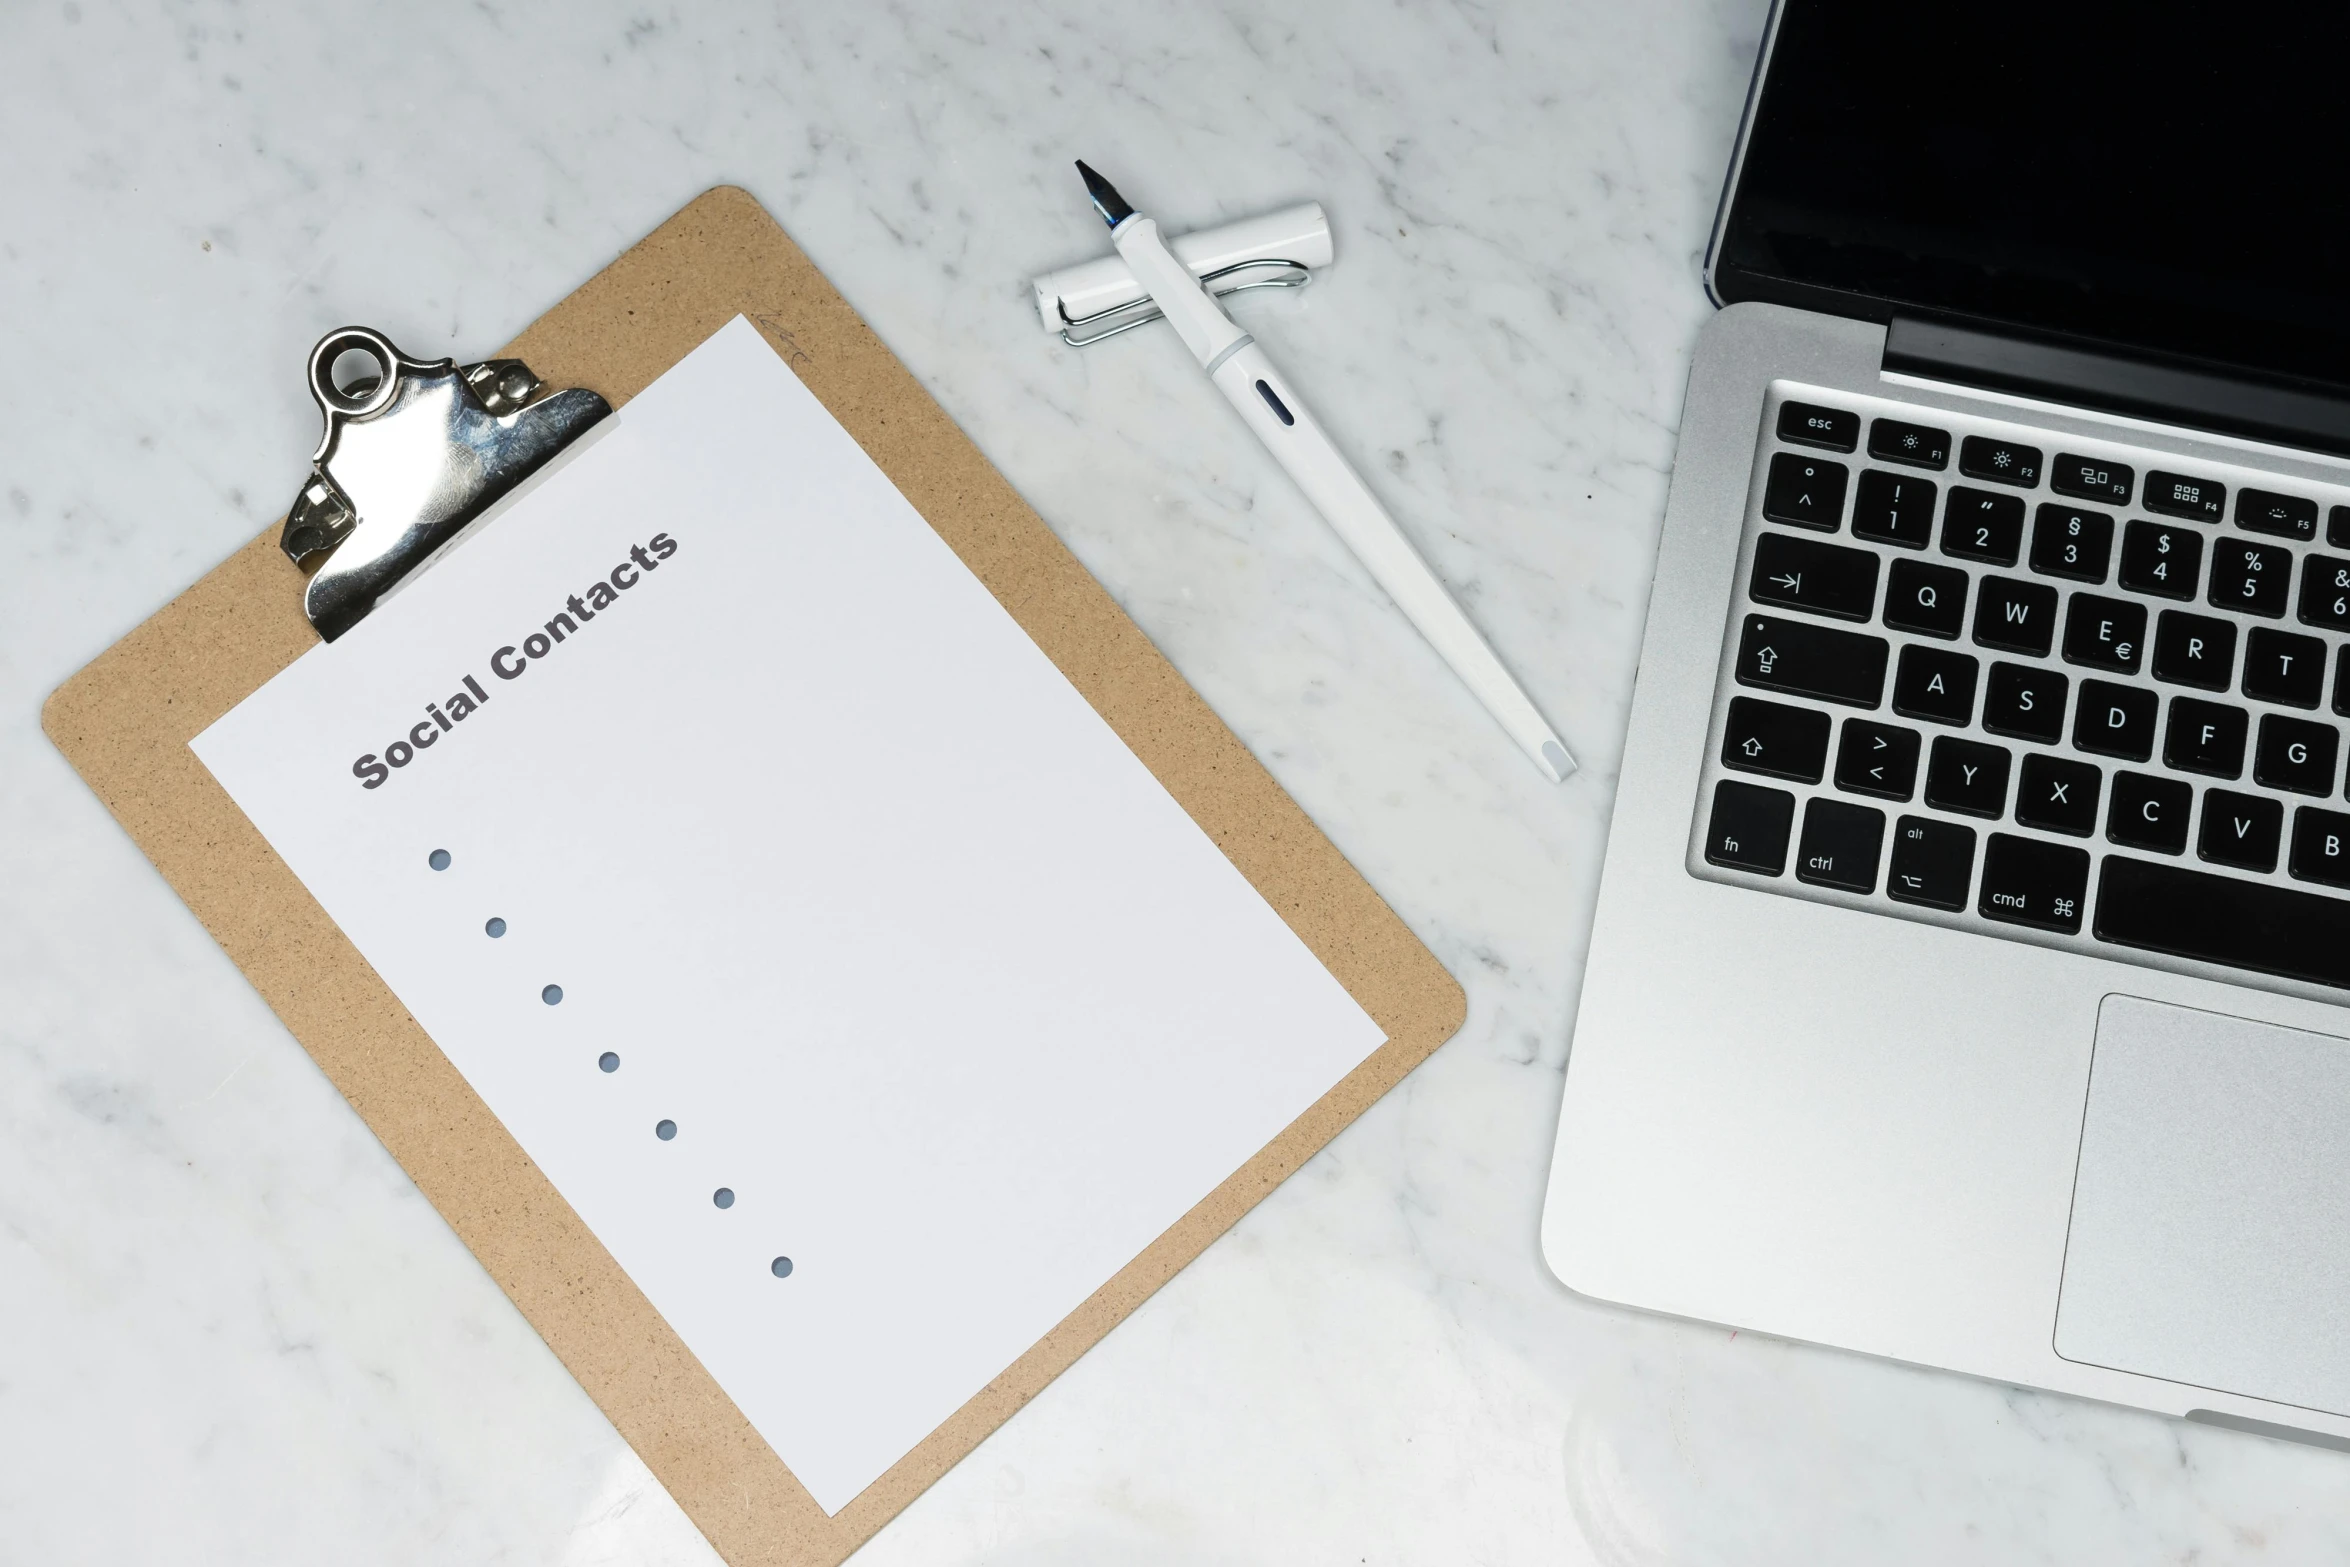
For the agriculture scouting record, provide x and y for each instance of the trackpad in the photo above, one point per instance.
(2210, 1238)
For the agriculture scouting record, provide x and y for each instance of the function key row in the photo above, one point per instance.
(2081, 478)
(1894, 440)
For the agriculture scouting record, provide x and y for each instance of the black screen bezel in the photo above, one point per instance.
(1728, 282)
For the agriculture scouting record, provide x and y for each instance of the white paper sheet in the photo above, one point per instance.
(922, 964)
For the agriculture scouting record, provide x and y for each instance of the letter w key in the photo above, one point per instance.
(2016, 617)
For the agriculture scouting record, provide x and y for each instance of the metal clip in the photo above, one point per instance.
(1142, 312)
(412, 452)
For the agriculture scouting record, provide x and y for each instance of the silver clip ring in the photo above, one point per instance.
(1142, 312)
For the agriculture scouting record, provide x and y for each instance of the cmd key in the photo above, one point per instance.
(1806, 660)
(2029, 882)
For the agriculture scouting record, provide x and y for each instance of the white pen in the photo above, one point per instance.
(1251, 384)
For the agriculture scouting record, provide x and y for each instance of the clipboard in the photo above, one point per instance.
(125, 722)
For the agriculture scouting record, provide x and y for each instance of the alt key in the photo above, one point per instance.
(1933, 862)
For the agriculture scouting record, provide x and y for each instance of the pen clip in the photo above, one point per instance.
(1142, 312)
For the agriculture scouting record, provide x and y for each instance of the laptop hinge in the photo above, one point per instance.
(2174, 394)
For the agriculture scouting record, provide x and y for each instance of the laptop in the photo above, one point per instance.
(1969, 974)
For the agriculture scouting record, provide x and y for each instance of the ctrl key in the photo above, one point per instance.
(1933, 863)
(1748, 831)
(2028, 882)
(1840, 845)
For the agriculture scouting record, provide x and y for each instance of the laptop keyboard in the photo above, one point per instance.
(2074, 694)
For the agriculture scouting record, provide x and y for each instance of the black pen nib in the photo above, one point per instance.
(1106, 199)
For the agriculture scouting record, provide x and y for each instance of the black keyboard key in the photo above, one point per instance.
(2338, 527)
(1967, 776)
(1806, 660)
(1925, 598)
(2003, 462)
(1827, 579)
(2325, 591)
(2224, 920)
(1877, 759)
(2162, 560)
(1935, 684)
(1933, 862)
(2284, 666)
(2285, 516)
(1920, 445)
(2254, 578)
(2150, 812)
(2115, 720)
(2176, 495)
(2194, 650)
(2104, 633)
(2025, 702)
(1978, 525)
(2057, 794)
(1769, 737)
(2321, 847)
(2342, 682)
(1749, 827)
(1893, 508)
(1841, 844)
(1808, 424)
(2205, 737)
(2091, 479)
(1805, 491)
(2241, 830)
(2027, 882)
(2295, 754)
(2016, 617)
(2070, 542)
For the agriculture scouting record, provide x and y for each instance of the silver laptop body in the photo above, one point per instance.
(2008, 1117)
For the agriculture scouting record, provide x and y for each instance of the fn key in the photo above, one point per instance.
(1749, 827)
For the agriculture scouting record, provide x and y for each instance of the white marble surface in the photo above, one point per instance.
(230, 1330)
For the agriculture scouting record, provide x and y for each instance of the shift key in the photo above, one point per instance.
(1815, 661)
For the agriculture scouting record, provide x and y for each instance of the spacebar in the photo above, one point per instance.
(2243, 924)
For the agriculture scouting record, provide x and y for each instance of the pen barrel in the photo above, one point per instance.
(1299, 443)
(1197, 319)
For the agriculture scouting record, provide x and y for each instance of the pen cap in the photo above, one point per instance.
(1299, 234)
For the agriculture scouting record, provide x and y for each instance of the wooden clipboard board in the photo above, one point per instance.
(125, 722)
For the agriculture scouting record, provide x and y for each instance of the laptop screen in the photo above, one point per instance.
(2154, 177)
